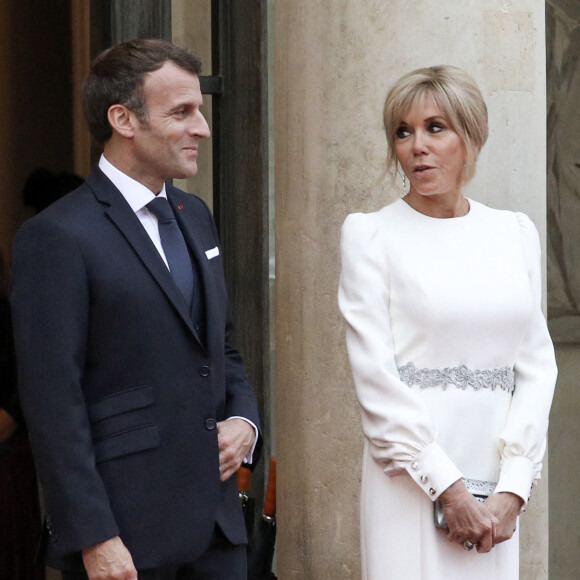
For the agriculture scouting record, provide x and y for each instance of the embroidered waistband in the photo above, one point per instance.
(461, 376)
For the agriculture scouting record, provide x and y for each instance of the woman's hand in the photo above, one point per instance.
(505, 506)
(468, 519)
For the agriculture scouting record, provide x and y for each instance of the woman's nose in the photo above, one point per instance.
(419, 143)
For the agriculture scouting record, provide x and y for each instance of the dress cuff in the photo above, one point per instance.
(433, 471)
(516, 476)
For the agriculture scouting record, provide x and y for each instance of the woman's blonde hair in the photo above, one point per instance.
(457, 97)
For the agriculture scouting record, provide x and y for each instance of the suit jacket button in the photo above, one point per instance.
(204, 371)
(210, 424)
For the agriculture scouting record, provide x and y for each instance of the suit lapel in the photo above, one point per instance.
(120, 213)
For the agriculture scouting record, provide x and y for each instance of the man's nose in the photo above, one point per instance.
(200, 127)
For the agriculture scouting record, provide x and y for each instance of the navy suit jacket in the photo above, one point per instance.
(120, 394)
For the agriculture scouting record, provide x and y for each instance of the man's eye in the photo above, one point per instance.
(402, 132)
(181, 113)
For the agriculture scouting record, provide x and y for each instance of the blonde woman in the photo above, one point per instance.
(452, 362)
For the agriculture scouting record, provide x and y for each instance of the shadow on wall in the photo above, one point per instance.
(44, 187)
(563, 252)
(563, 211)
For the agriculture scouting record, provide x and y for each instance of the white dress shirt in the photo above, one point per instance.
(137, 196)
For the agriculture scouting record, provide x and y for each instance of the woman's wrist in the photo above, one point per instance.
(453, 493)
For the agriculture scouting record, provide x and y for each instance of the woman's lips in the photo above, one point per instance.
(423, 171)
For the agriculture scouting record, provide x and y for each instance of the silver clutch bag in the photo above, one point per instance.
(480, 490)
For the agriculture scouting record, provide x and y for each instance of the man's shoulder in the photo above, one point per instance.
(74, 212)
(59, 210)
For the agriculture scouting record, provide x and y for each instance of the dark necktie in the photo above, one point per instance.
(174, 247)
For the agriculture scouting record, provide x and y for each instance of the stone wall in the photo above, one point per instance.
(563, 71)
(334, 64)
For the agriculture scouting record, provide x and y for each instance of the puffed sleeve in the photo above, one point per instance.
(395, 420)
(523, 439)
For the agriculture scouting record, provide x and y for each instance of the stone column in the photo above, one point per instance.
(334, 64)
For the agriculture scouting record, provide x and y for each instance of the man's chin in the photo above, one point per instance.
(185, 173)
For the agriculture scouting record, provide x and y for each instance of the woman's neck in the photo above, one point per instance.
(438, 206)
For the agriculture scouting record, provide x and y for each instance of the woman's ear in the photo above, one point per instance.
(122, 120)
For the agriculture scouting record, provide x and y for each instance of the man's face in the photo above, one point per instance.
(165, 146)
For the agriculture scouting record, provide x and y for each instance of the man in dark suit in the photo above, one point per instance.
(139, 410)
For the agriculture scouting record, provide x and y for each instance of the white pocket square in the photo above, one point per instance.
(212, 253)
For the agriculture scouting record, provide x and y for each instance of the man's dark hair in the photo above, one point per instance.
(117, 76)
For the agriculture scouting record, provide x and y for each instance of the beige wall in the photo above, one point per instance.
(563, 71)
(565, 467)
(191, 28)
(333, 69)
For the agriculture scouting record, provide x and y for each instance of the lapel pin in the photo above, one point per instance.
(179, 207)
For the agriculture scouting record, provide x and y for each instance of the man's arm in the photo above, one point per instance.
(50, 304)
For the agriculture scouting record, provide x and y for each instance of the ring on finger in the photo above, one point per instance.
(468, 545)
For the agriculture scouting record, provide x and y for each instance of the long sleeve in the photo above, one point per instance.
(396, 421)
(50, 303)
(523, 439)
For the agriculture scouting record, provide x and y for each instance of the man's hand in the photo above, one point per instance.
(235, 439)
(468, 519)
(7, 426)
(109, 560)
(505, 506)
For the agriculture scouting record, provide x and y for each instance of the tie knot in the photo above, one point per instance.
(161, 208)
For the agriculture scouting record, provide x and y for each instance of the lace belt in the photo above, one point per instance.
(461, 376)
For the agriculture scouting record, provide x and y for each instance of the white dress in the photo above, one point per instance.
(443, 317)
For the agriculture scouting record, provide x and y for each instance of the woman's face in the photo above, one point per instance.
(431, 154)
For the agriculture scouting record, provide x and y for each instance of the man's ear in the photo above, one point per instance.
(122, 120)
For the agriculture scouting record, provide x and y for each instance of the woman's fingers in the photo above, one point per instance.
(469, 521)
(505, 507)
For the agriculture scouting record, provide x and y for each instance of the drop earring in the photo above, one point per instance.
(404, 178)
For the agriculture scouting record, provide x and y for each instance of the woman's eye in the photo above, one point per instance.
(402, 132)
(436, 128)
